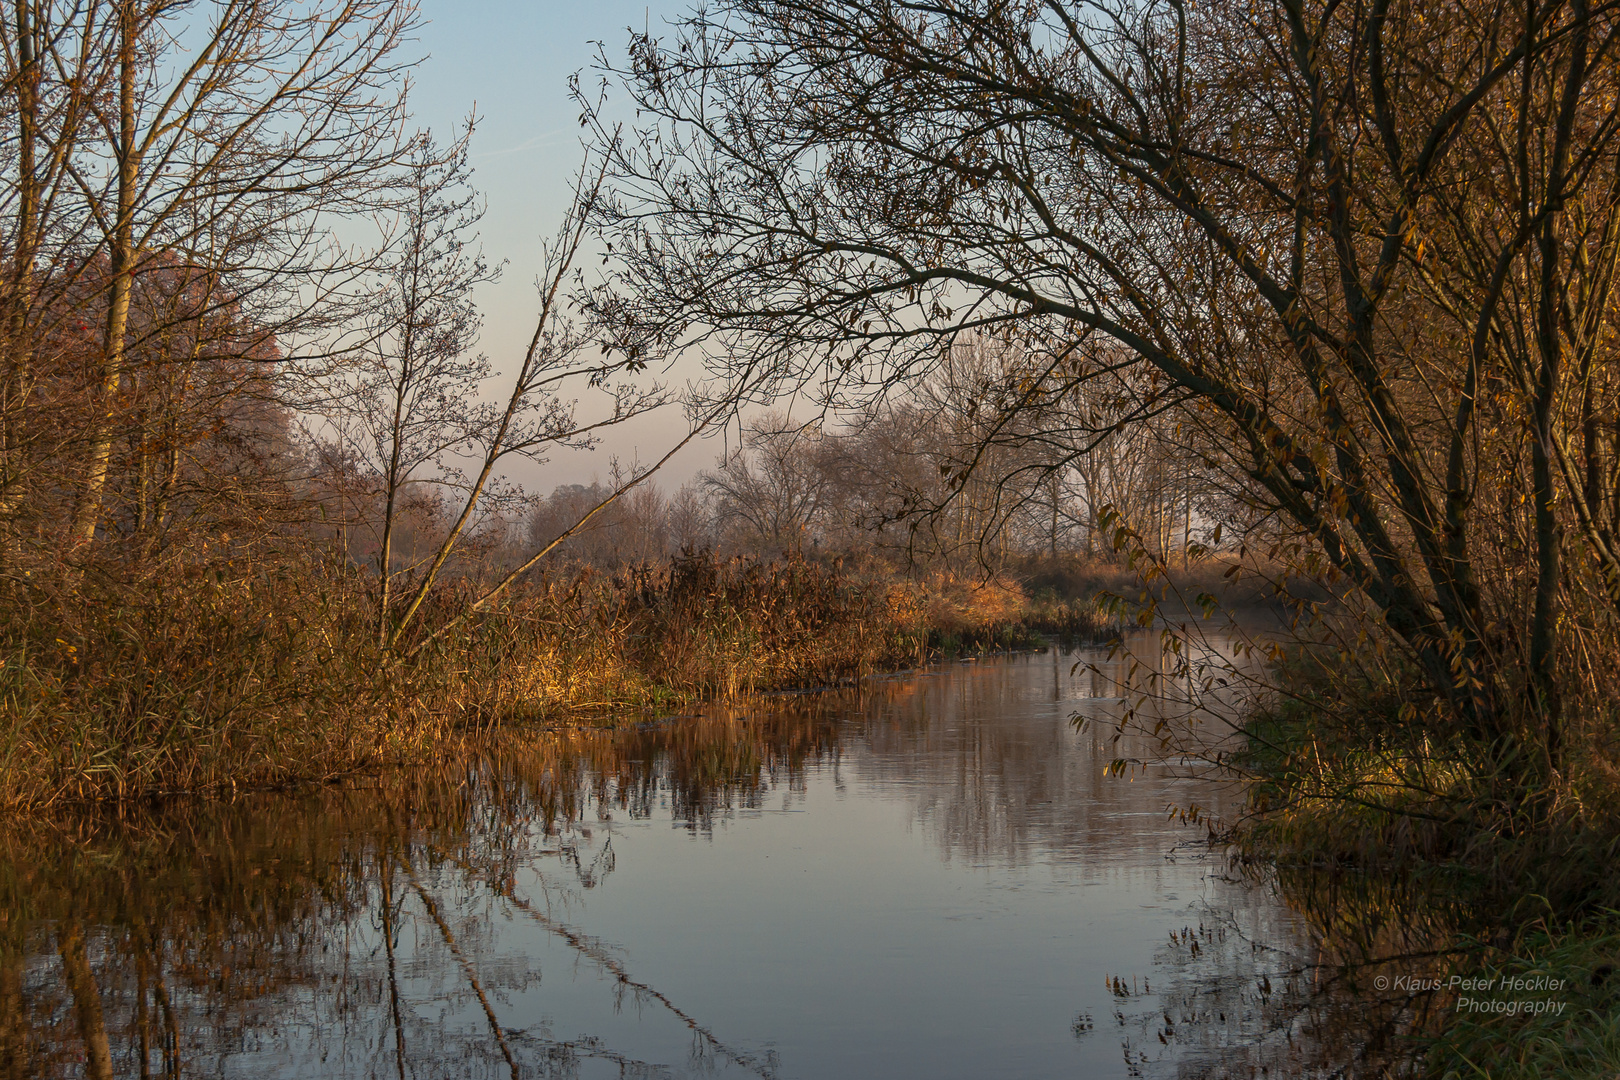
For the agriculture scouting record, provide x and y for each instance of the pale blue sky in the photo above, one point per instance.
(514, 59)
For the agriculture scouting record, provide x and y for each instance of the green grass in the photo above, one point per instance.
(1582, 1042)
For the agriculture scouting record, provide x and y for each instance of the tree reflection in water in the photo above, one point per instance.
(336, 928)
(367, 928)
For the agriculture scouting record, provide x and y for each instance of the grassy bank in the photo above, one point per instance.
(210, 677)
(1414, 854)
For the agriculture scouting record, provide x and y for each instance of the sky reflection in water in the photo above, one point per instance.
(932, 879)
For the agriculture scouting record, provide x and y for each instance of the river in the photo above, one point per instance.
(937, 875)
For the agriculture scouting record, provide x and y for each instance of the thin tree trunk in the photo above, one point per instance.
(122, 271)
(20, 300)
(1056, 492)
(1186, 527)
(385, 556)
(143, 475)
(393, 480)
(1549, 534)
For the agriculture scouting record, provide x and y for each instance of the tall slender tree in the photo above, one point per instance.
(415, 400)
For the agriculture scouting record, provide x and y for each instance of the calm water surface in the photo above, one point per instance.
(935, 877)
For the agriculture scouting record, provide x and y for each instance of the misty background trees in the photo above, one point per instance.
(934, 479)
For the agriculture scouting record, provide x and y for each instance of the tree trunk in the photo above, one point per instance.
(122, 272)
(20, 301)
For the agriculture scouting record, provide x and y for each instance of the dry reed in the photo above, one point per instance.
(212, 676)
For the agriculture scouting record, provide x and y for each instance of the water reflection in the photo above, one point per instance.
(931, 877)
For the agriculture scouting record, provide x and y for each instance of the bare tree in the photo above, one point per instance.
(271, 114)
(773, 490)
(536, 419)
(1367, 246)
(414, 396)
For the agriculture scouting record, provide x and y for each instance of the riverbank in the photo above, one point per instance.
(1470, 918)
(210, 677)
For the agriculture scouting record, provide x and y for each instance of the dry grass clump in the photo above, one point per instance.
(212, 676)
(207, 677)
(975, 613)
(693, 628)
(736, 626)
(956, 603)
